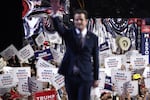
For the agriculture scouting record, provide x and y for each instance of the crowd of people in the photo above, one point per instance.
(13, 94)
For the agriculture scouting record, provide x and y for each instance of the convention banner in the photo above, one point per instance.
(9, 52)
(145, 47)
(45, 54)
(120, 76)
(45, 95)
(25, 53)
(41, 63)
(138, 23)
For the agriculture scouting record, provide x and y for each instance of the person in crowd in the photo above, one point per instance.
(106, 96)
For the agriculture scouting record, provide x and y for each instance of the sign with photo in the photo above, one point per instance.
(131, 87)
(40, 39)
(145, 41)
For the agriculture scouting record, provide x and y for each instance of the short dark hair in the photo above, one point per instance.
(81, 11)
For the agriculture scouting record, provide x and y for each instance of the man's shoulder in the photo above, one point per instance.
(93, 34)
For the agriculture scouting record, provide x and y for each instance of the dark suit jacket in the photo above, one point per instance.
(85, 58)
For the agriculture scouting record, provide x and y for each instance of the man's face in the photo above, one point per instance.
(80, 21)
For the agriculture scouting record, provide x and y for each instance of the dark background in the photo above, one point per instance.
(11, 11)
(11, 24)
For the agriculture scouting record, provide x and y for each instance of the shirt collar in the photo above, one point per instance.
(84, 32)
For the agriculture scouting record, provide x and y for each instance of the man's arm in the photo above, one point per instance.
(96, 59)
(59, 26)
(57, 22)
(96, 63)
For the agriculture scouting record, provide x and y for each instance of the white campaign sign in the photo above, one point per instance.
(102, 55)
(58, 56)
(8, 70)
(131, 87)
(58, 81)
(131, 53)
(34, 85)
(22, 73)
(23, 87)
(9, 52)
(102, 76)
(147, 84)
(45, 74)
(120, 76)
(146, 72)
(41, 63)
(139, 61)
(40, 39)
(25, 53)
(7, 81)
(113, 62)
(54, 38)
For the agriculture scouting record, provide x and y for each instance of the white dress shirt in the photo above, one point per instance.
(84, 32)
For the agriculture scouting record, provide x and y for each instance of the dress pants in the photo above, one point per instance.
(77, 88)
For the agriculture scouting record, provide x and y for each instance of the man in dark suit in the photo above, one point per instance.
(80, 65)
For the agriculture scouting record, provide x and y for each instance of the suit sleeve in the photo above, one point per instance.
(96, 60)
(59, 26)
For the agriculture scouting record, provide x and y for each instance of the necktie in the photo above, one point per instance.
(81, 39)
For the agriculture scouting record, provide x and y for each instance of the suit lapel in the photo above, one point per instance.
(76, 38)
